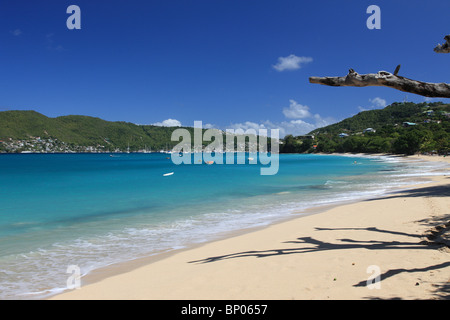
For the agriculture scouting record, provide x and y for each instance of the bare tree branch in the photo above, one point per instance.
(443, 48)
(386, 79)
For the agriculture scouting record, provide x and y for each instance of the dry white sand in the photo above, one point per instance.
(329, 255)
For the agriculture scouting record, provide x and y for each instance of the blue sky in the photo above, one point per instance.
(228, 63)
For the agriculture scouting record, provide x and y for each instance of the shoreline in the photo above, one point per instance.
(109, 282)
(118, 268)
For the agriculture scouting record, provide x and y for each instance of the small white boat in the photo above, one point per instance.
(168, 174)
(251, 159)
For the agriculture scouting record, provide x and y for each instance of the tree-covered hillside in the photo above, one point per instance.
(30, 131)
(396, 113)
(401, 128)
(77, 130)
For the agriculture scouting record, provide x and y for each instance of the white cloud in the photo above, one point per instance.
(16, 32)
(204, 125)
(296, 126)
(247, 125)
(296, 111)
(168, 123)
(209, 126)
(323, 122)
(362, 109)
(51, 45)
(291, 62)
(377, 103)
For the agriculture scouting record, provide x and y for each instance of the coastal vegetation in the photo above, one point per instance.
(30, 131)
(20, 130)
(401, 128)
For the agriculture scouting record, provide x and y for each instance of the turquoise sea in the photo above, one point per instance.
(94, 210)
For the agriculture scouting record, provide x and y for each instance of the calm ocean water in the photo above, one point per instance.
(93, 210)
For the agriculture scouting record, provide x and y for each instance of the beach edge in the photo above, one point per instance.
(258, 240)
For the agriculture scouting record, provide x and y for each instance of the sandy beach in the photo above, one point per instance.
(399, 237)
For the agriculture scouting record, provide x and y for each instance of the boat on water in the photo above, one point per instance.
(168, 174)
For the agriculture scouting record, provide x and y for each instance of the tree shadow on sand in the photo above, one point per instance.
(311, 245)
(441, 290)
(393, 272)
(433, 191)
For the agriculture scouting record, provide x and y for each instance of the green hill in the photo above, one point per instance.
(429, 131)
(396, 113)
(76, 130)
(30, 131)
(402, 128)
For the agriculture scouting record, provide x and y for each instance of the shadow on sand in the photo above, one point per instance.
(418, 242)
(433, 191)
(310, 244)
